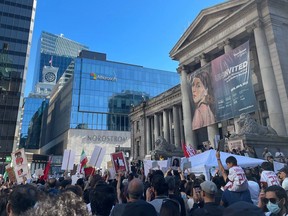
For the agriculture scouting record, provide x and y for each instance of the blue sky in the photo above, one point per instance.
(130, 31)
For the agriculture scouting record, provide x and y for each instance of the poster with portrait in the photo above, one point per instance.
(119, 162)
(20, 166)
(222, 89)
(175, 162)
(232, 83)
(202, 97)
(235, 144)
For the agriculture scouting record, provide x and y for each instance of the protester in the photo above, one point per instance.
(170, 207)
(243, 209)
(207, 194)
(135, 205)
(21, 199)
(268, 177)
(266, 153)
(279, 156)
(66, 203)
(236, 180)
(170, 180)
(160, 188)
(283, 173)
(102, 199)
(275, 200)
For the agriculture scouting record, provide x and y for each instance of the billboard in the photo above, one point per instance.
(223, 88)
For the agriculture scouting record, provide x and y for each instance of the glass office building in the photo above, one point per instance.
(32, 121)
(93, 107)
(16, 28)
(55, 50)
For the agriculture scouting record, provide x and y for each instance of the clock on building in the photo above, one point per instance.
(50, 77)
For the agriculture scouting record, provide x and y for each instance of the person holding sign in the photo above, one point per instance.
(203, 100)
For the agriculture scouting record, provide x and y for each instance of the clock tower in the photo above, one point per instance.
(49, 74)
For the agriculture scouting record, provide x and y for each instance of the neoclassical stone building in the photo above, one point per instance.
(215, 31)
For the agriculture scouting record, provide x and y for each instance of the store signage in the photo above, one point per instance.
(112, 139)
(94, 76)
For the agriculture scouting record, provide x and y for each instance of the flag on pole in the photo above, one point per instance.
(83, 160)
(51, 61)
(188, 150)
(47, 169)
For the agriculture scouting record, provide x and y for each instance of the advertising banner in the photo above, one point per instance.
(20, 166)
(232, 83)
(222, 89)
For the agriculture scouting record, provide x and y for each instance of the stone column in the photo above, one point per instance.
(182, 135)
(268, 79)
(148, 135)
(166, 125)
(185, 88)
(156, 126)
(176, 123)
(161, 124)
(170, 127)
(212, 130)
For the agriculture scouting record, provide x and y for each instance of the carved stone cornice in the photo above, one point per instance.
(257, 24)
(183, 68)
(224, 43)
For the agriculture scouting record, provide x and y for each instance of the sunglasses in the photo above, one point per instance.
(272, 200)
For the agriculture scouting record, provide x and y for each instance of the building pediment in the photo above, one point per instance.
(206, 20)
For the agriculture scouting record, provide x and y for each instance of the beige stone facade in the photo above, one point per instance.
(215, 31)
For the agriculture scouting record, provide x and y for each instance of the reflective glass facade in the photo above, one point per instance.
(16, 28)
(31, 122)
(59, 50)
(103, 92)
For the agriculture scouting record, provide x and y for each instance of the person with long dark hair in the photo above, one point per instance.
(203, 100)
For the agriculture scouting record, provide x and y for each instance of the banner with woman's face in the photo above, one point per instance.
(222, 89)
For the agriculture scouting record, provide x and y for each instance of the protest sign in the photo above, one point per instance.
(20, 166)
(119, 162)
(97, 156)
(68, 160)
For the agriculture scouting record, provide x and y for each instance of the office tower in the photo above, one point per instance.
(54, 51)
(93, 107)
(16, 28)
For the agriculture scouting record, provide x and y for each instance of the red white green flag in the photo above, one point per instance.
(83, 160)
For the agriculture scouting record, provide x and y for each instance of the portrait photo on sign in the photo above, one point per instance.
(202, 98)
(175, 162)
(119, 162)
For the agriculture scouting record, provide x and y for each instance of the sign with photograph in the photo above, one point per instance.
(119, 162)
(20, 166)
(235, 144)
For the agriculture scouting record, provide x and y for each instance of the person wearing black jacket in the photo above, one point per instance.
(205, 201)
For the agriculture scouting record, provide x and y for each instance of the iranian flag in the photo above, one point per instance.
(83, 160)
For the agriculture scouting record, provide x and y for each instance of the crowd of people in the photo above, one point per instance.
(236, 191)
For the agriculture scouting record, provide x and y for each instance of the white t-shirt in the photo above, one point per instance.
(285, 184)
(237, 179)
(269, 177)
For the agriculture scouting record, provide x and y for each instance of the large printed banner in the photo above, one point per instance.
(223, 88)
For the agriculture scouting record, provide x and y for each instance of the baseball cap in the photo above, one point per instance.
(209, 187)
(284, 169)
